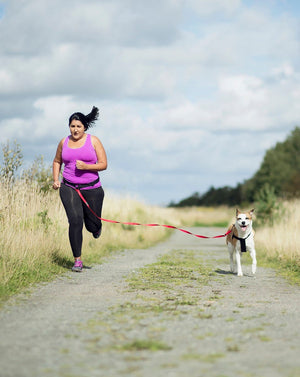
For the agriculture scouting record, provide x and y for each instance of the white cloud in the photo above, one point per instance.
(208, 8)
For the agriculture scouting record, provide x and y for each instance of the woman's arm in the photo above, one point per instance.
(57, 162)
(101, 158)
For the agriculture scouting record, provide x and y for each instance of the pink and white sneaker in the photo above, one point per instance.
(77, 266)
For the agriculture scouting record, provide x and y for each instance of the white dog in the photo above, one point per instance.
(241, 239)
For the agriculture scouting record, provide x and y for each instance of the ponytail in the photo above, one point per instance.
(87, 120)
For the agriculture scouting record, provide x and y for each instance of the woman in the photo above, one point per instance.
(83, 157)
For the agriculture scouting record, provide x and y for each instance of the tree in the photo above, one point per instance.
(280, 167)
(279, 172)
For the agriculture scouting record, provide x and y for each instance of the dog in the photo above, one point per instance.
(241, 239)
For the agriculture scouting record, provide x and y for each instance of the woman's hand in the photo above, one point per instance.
(81, 165)
(56, 185)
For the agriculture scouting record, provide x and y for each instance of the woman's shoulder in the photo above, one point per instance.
(63, 140)
(95, 140)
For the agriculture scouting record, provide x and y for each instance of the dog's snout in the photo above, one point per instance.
(243, 222)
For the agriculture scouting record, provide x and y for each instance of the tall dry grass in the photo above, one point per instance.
(34, 244)
(282, 240)
(31, 233)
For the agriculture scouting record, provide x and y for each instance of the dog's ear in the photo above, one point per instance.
(252, 210)
(237, 212)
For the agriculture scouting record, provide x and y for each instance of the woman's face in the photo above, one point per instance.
(77, 129)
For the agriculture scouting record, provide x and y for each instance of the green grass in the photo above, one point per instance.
(290, 270)
(144, 345)
(233, 348)
(27, 274)
(180, 267)
(216, 224)
(208, 358)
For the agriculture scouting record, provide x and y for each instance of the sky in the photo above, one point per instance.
(191, 93)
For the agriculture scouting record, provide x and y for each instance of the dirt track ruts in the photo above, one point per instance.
(246, 326)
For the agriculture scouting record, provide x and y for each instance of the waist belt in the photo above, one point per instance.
(79, 186)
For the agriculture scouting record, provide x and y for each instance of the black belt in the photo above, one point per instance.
(79, 186)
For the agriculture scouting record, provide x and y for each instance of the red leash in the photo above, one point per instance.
(130, 223)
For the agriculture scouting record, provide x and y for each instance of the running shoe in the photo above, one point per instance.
(97, 234)
(77, 266)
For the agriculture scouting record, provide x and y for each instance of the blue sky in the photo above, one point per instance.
(191, 92)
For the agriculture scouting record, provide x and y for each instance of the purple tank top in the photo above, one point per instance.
(87, 154)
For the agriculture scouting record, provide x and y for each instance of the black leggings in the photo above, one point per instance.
(77, 213)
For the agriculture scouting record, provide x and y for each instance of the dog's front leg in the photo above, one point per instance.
(253, 256)
(238, 262)
(230, 250)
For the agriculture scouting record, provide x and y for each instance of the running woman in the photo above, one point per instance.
(83, 156)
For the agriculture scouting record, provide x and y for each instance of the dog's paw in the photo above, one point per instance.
(240, 274)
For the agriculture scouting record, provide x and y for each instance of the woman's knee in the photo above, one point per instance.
(76, 222)
(93, 226)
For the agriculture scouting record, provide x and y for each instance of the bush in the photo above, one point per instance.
(40, 174)
(268, 207)
(12, 160)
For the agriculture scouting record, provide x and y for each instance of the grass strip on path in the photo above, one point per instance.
(160, 292)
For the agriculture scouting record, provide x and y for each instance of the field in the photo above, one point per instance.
(34, 238)
(279, 244)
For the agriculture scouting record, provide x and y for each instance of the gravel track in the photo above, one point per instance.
(240, 326)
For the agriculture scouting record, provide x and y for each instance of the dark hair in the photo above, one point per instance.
(87, 120)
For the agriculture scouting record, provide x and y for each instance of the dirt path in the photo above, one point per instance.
(231, 326)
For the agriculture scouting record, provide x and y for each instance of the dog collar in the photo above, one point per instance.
(242, 241)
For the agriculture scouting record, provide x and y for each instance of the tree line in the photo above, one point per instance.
(278, 173)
